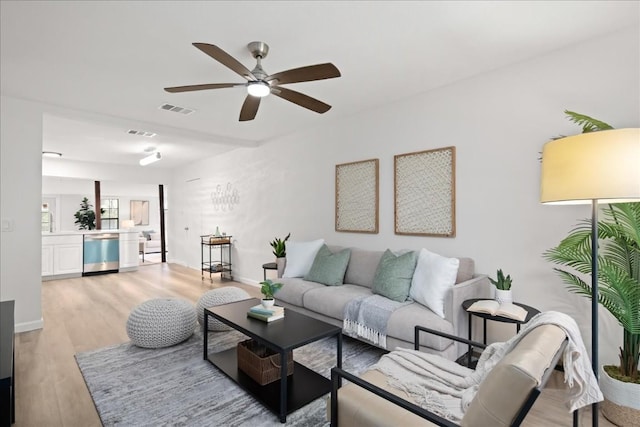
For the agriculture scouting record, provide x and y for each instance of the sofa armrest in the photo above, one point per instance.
(477, 287)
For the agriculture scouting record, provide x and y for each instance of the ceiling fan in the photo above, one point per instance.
(260, 84)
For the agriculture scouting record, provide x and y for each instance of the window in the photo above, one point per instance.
(109, 217)
(46, 218)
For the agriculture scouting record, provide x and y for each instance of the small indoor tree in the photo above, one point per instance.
(85, 217)
(618, 266)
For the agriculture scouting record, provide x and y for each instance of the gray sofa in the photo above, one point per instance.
(328, 302)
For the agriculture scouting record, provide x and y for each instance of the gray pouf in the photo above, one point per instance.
(218, 297)
(161, 322)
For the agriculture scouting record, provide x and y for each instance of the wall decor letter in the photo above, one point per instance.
(424, 193)
(357, 196)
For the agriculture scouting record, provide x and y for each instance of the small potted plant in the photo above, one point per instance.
(503, 287)
(268, 289)
(279, 246)
(280, 251)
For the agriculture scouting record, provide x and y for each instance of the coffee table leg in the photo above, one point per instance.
(283, 387)
(339, 355)
(206, 336)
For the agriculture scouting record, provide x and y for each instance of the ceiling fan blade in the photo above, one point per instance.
(249, 108)
(301, 99)
(225, 59)
(305, 74)
(191, 88)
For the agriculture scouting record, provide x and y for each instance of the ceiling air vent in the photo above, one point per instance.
(141, 133)
(177, 109)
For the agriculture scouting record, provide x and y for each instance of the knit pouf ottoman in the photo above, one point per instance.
(161, 322)
(218, 297)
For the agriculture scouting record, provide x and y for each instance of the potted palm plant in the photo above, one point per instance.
(619, 286)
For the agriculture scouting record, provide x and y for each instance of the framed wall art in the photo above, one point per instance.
(140, 212)
(357, 196)
(424, 193)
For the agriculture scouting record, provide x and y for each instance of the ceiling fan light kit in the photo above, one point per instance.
(154, 157)
(260, 84)
(259, 89)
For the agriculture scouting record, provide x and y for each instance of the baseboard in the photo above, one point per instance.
(61, 276)
(29, 326)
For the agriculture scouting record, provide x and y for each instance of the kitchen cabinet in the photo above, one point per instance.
(47, 260)
(61, 255)
(129, 250)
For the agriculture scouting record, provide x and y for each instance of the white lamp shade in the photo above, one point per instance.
(602, 166)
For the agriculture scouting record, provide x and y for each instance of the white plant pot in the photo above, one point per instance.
(621, 405)
(504, 296)
(268, 303)
(280, 263)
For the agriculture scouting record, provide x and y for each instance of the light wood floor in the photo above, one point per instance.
(91, 312)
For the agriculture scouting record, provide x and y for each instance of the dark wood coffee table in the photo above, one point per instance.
(293, 331)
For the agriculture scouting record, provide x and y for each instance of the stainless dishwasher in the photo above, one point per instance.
(101, 253)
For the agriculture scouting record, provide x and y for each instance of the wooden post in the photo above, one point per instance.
(162, 231)
(97, 205)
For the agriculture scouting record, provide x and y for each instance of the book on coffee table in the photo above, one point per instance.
(265, 317)
(494, 308)
(260, 309)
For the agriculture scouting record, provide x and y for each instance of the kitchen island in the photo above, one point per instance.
(66, 254)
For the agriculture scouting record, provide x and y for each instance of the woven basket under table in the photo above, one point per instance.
(261, 363)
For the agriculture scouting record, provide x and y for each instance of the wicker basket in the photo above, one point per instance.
(261, 363)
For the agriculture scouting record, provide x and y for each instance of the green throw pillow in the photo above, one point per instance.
(394, 274)
(329, 268)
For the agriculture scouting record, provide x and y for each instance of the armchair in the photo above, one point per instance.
(503, 398)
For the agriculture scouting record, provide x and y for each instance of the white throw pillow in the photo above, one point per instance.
(433, 277)
(300, 256)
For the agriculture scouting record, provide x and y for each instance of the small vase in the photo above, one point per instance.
(268, 303)
(504, 297)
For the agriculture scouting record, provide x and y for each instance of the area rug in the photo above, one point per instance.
(174, 386)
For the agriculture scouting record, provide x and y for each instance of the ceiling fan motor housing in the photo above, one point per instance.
(258, 49)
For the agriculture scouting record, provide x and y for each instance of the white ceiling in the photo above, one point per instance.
(104, 64)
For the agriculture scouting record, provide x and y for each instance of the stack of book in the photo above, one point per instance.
(266, 314)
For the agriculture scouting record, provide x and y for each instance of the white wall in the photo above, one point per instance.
(20, 204)
(498, 121)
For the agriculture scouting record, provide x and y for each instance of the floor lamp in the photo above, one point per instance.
(592, 168)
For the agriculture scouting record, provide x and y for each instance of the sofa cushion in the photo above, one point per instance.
(328, 268)
(362, 267)
(293, 290)
(402, 322)
(393, 275)
(433, 277)
(331, 301)
(300, 256)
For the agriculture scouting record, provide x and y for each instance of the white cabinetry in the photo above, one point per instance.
(61, 255)
(129, 250)
(47, 259)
